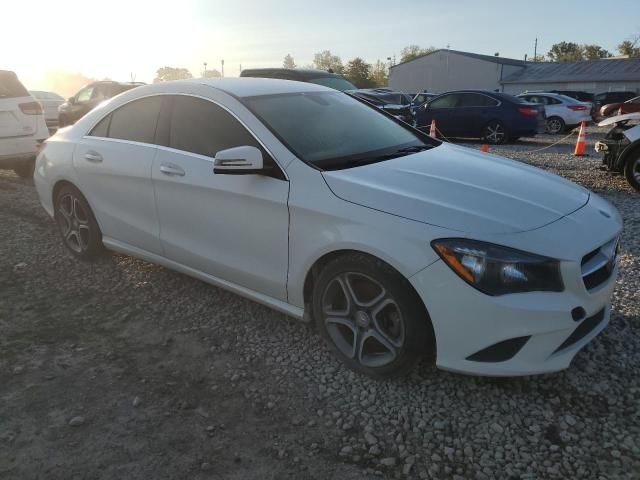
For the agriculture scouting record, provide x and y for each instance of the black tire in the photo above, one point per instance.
(632, 170)
(25, 170)
(555, 125)
(494, 133)
(76, 223)
(375, 323)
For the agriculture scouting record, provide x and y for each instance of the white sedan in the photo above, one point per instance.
(310, 201)
(562, 112)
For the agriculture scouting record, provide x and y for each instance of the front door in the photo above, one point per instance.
(234, 227)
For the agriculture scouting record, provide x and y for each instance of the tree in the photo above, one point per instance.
(414, 51)
(325, 60)
(594, 52)
(566, 52)
(288, 62)
(166, 74)
(213, 73)
(358, 72)
(379, 74)
(630, 46)
(538, 58)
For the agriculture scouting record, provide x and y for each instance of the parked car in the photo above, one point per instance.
(50, 103)
(418, 99)
(562, 112)
(494, 117)
(630, 106)
(89, 97)
(395, 103)
(621, 147)
(22, 125)
(309, 201)
(319, 77)
(576, 94)
(606, 98)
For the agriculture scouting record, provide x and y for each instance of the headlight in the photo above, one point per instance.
(497, 270)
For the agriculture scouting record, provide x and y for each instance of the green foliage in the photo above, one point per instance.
(166, 74)
(594, 52)
(379, 74)
(630, 47)
(566, 52)
(358, 72)
(288, 62)
(414, 51)
(325, 60)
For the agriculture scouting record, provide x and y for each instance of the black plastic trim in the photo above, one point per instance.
(501, 351)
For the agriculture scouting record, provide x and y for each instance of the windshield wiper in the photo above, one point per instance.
(414, 149)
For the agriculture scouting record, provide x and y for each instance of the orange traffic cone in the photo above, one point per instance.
(432, 130)
(580, 144)
(484, 148)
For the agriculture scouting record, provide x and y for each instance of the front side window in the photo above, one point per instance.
(136, 121)
(446, 101)
(202, 127)
(332, 130)
(476, 100)
(84, 95)
(10, 86)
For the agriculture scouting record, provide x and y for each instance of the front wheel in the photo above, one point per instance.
(494, 133)
(632, 171)
(370, 316)
(76, 223)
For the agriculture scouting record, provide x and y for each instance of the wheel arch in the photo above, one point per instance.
(61, 183)
(627, 154)
(322, 261)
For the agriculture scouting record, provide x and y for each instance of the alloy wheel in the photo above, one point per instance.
(363, 319)
(554, 125)
(636, 170)
(494, 133)
(74, 223)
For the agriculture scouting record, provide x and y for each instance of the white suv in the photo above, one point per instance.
(22, 126)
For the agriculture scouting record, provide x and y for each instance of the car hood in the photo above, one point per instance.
(460, 189)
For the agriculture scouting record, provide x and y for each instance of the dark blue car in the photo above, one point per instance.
(493, 117)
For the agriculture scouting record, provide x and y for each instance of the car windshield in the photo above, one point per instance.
(332, 130)
(337, 83)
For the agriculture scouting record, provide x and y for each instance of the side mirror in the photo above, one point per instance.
(71, 100)
(243, 160)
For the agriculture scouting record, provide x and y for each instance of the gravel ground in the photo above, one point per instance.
(122, 369)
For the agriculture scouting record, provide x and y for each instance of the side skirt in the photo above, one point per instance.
(271, 302)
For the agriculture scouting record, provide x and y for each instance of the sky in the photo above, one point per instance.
(131, 39)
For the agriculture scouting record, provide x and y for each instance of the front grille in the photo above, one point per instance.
(598, 265)
(585, 327)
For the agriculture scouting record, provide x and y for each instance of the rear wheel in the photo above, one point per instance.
(25, 170)
(76, 223)
(370, 316)
(494, 133)
(632, 170)
(555, 125)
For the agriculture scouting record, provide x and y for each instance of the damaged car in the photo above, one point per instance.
(621, 147)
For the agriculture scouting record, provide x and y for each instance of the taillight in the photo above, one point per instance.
(31, 108)
(529, 111)
(577, 108)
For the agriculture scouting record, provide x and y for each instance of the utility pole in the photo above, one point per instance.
(535, 51)
(240, 68)
(222, 63)
(204, 72)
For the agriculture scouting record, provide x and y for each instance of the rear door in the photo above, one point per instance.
(113, 163)
(473, 111)
(17, 118)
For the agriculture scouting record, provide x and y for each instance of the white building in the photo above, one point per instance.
(445, 70)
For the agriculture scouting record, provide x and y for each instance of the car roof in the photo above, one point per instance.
(246, 86)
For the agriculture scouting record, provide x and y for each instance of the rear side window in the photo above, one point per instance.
(10, 86)
(135, 121)
(476, 100)
(446, 101)
(202, 127)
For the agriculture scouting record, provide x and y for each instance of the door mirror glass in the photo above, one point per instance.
(238, 161)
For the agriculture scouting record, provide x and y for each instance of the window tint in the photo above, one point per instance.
(102, 128)
(475, 100)
(337, 83)
(136, 121)
(10, 86)
(446, 101)
(84, 95)
(202, 127)
(100, 93)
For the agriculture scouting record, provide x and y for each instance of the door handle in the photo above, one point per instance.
(172, 170)
(93, 156)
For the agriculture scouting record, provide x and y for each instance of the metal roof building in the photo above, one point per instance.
(444, 70)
